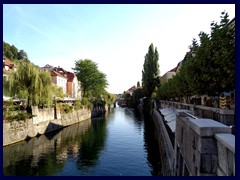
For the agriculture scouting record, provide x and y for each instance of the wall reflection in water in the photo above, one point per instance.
(122, 142)
(46, 154)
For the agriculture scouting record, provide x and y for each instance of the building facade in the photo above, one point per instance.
(66, 80)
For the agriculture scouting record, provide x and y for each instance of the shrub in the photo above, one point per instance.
(68, 108)
(64, 108)
(18, 117)
(87, 103)
(78, 105)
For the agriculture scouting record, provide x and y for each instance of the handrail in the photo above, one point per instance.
(194, 117)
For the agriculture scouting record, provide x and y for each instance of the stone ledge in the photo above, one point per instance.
(208, 127)
(182, 112)
(228, 140)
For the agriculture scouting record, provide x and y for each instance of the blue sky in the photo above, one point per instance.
(116, 37)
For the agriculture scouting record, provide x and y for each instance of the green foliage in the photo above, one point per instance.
(12, 53)
(10, 106)
(109, 98)
(150, 73)
(6, 86)
(22, 55)
(208, 68)
(11, 112)
(138, 84)
(45, 88)
(214, 63)
(93, 81)
(57, 92)
(78, 105)
(132, 100)
(137, 94)
(64, 108)
(20, 116)
(68, 109)
(85, 102)
(31, 84)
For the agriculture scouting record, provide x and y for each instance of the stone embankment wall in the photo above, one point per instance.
(45, 120)
(46, 145)
(202, 146)
(165, 146)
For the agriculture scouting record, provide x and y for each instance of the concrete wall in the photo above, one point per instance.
(43, 122)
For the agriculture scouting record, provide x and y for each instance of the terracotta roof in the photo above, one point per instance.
(10, 64)
(55, 73)
(7, 62)
(132, 88)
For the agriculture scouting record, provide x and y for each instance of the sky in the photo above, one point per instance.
(116, 37)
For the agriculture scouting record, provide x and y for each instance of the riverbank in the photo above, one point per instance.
(44, 121)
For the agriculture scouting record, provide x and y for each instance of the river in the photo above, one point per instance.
(121, 143)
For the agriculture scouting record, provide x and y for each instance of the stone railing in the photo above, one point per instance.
(203, 147)
(226, 154)
(224, 116)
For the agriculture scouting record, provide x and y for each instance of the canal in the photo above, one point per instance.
(122, 143)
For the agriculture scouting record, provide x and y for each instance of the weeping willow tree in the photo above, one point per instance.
(58, 92)
(29, 83)
(45, 93)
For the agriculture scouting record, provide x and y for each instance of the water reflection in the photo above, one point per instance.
(120, 143)
(151, 145)
(134, 117)
(46, 154)
(92, 144)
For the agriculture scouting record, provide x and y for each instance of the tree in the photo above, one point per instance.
(109, 98)
(45, 88)
(137, 95)
(93, 81)
(57, 92)
(28, 83)
(223, 56)
(208, 68)
(138, 84)
(22, 55)
(214, 63)
(12, 53)
(150, 73)
(7, 51)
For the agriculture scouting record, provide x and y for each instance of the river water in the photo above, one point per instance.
(121, 143)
